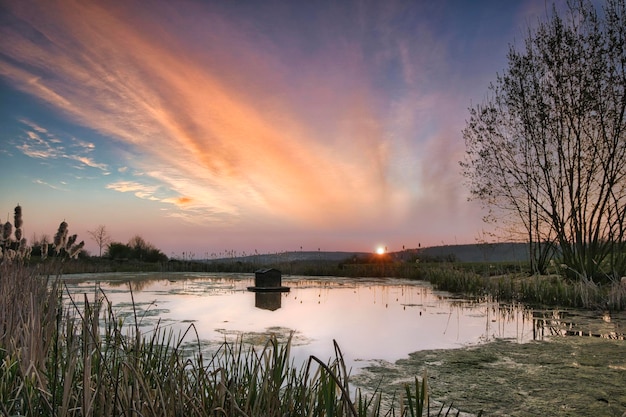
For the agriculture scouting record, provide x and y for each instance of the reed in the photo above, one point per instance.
(67, 357)
(28, 308)
(539, 290)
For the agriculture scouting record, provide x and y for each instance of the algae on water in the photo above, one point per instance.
(566, 376)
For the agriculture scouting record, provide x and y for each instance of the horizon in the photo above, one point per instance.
(207, 127)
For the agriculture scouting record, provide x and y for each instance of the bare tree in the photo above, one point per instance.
(547, 150)
(101, 237)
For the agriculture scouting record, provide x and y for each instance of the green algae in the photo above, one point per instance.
(565, 376)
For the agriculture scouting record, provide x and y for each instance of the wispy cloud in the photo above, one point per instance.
(40, 143)
(322, 118)
(37, 147)
(139, 190)
(88, 161)
(179, 201)
(87, 146)
(33, 126)
(236, 128)
(46, 184)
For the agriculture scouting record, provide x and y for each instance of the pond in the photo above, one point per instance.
(372, 320)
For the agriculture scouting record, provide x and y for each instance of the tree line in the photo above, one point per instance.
(137, 247)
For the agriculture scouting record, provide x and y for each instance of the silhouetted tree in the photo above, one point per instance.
(100, 236)
(137, 248)
(118, 251)
(548, 148)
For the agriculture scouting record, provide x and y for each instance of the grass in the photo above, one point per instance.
(65, 357)
(544, 290)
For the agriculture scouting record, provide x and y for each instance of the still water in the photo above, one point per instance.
(371, 319)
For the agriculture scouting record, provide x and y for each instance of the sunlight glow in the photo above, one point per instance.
(380, 250)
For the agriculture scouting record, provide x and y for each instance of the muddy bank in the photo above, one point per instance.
(566, 376)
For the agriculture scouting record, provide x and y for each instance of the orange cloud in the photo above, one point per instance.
(179, 201)
(239, 150)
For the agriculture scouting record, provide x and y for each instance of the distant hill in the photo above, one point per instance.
(492, 252)
(267, 258)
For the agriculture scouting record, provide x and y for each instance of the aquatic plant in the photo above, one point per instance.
(60, 238)
(18, 249)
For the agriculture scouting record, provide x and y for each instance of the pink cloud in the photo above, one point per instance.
(124, 78)
(348, 127)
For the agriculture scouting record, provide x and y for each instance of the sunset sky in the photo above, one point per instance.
(213, 126)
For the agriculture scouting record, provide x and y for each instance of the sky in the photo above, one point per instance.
(221, 126)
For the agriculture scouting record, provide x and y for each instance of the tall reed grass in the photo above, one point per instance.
(65, 357)
(541, 290)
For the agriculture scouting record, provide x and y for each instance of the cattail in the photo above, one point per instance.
(60, 237)
(23, 249)
(60, 232)
(44, 250)
(18, 233)
(70, 242)
(76, 249)
(7, 229)
(18, 217)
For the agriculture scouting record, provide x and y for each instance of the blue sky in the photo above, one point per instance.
(208, 127)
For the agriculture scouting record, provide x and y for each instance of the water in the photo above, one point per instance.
(372, 320)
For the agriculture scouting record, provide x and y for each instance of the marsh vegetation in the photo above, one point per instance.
(77, 361)
(67, 356)
(62, 356)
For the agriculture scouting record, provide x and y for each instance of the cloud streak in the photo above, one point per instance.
(44, 183)
(138, 189)
(233, 149)
(40, 143)
(327, 118)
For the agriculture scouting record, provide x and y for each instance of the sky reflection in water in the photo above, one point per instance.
(371, 319)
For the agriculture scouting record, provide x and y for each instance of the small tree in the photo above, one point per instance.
(100, 236)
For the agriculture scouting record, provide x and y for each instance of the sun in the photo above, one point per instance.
(380, 250)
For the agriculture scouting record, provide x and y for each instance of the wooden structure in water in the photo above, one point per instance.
(268, 280)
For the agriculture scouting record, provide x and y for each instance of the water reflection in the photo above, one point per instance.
(371, 319)
(267, 300)
(567, 323)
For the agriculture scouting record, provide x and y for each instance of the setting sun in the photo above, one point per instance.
(380, 250)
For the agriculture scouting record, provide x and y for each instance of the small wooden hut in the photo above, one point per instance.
(269, 279)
